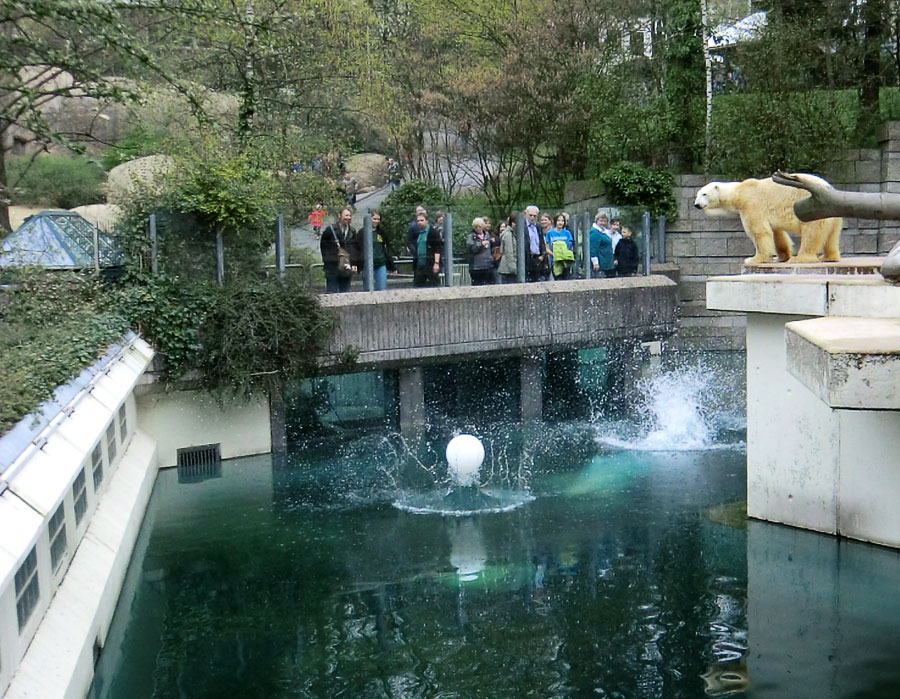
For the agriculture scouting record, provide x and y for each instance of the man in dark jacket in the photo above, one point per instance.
(339, 235)
(429, 248)
(412, 233)
(536, 267)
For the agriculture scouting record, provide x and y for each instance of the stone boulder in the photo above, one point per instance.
(368, 169)
(103, 216)
(141, 173)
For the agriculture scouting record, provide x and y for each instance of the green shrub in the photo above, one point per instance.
(55, 181)
(301, 191)
(633, 185)
(52, 326)
(399, 208)
(167, 312)
(261, 332)
(755, 134)
(212, 188)
(136, 144)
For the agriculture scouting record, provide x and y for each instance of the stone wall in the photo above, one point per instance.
(702, 246)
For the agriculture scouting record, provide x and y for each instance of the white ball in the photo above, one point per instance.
(465, 454)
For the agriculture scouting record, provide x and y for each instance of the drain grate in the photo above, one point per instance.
(197, 464)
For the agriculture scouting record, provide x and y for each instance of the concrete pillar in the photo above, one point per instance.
(412, 399)
(531, 387)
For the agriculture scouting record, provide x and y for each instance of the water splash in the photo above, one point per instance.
(686, 409)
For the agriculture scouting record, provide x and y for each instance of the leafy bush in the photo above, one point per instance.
(52, 326)
(631, 184)
(136, 144)
(167, 312)
(399, 208)
(301, 191)
(55, 181)
(755, 134)
(261, 332)
(211, 189)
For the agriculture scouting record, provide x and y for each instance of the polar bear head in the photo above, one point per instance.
(711, 199)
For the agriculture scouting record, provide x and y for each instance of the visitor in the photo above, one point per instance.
(412, 232)
(508, 268)
(626, 255)
(316, 218)
(335, 246)
(615, 232)
(393, 173)
(602, 262)
(496, 252)
(561, 248)
(429, 249)
(349, 186)
(478, 247)
(536, 268)
(382, 259)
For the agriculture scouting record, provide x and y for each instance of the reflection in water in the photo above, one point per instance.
(726, 678)
(624, 577)
(611, 591)
(467, 553)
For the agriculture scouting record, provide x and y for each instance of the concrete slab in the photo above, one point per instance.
(847, 362)
(860, 265)
(869, 297)
(763, 293)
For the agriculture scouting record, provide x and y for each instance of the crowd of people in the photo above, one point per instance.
(491, 251)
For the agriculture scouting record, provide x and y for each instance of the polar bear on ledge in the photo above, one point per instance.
(767, 214)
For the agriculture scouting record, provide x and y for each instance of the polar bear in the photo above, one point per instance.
(767, 214)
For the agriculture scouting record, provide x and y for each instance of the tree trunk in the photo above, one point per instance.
(5, 225)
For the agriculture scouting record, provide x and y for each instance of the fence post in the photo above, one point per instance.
(572, 225)
(586, 244)
(154, 249)
(96, 250)
(645, 233)
(447, 234)
(220, 255)
(368, 260)
(279, 245)
(520, 247)
(661, 239)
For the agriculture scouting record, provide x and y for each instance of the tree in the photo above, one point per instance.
(52, 51)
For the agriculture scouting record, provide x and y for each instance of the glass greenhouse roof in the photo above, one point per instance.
(60, 239)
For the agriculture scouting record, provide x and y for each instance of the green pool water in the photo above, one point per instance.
(631, 573)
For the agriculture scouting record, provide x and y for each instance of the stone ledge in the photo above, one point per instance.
(847, 362)
(863, 295)
(847, 266)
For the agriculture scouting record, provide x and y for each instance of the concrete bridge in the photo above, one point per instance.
(399, 327)
(407, 328)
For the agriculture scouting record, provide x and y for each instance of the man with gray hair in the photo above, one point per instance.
(536, 269)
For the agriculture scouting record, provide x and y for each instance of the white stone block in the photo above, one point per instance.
(768, 293)
(847, 362)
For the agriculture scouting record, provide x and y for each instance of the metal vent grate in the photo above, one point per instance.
(199, 463)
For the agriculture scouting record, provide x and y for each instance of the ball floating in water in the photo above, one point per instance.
(465, 453)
